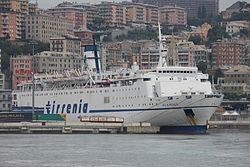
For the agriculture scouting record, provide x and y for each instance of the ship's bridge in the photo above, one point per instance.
(177, 70)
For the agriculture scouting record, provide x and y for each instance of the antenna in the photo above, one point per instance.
(160, 64)
(96, 57)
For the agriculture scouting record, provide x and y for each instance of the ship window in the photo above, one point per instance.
(160, 71)
(167, 71)
(146, 79)
(170, 98)
(170, 71)
(185, 71)
(164, 71)
(106, 100)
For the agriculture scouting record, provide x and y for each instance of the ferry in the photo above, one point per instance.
(178, 99)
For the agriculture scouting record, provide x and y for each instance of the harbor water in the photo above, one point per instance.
(218, 148)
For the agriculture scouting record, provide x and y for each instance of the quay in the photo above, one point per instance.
(76, 128)
(229, 124)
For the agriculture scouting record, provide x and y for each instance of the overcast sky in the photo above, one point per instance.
(50, 3)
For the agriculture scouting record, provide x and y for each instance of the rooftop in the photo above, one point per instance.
(239, 68)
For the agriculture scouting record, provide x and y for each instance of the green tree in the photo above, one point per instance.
(202, 66)
(240, 16)
(217, 32)
(148, 33)
(218, 73)
(18, 47)
(196, 40)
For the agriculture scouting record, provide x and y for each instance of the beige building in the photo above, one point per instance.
(236, 26)
(149, 55)
(52, 62)
(121, 54)
(141, 13)
(185, 52)
(43, 27)
(172, 15)
(66, 43)
(5, 100)
(1, 80)
(114, 14)
(237, 80)
(136, 13)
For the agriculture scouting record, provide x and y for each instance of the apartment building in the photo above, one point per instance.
(5, 100)
(152, 14)
(43, 27)
(22, 7)
(237, 80)
(85, 35)
(228, 53)
(1, 75)
(114, 14)
(149, 58)
(185, 52)
(201, 54)
(192, 6)
(172, 15)
(120, 54)
(91, 10)
(10, 24)
(66, 43)
(21, 69)
(2, 79)
(141, 13)
(56, 62)
(113, 55)
(236, 26)
(76, 14)
(136, 13)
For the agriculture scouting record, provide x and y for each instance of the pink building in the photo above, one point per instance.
(172, 15)
(85, 35)
(10, 24)
(228, 54)
(21, 69)
(113, 14)
(77, 15)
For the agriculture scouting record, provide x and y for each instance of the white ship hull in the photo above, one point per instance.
(132, 104)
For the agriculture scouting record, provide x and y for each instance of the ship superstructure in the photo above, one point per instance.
(178, 99)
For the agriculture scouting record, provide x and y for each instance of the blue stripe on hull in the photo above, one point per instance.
(148, 109)
(199, 129)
